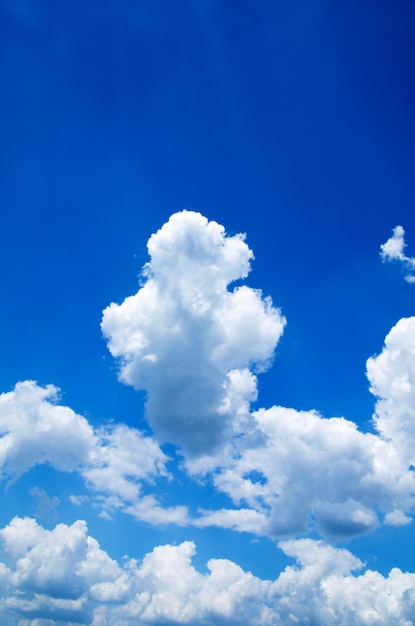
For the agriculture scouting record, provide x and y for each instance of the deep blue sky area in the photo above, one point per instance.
(290, 121)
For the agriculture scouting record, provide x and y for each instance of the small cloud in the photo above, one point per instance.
(397, 518)
(78, 500)
(393, 250)
(105, 515)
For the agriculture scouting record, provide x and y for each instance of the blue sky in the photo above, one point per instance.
(220, 438)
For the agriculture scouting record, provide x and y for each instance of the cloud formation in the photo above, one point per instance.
(114, 460)
(189, 341)
(304, 472)
(63, 576)
(195, 347)
(393, 250)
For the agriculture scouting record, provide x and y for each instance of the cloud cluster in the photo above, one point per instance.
(393, 250)
(297, 471)
(63, 576)
(304, 472)
(195, 346)
(189, 341)
(114, 460)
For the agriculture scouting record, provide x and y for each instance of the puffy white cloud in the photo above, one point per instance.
(79, 583)
(114, 460)
(34, 554)
(392, 379)
(393, 250)
(34, 429)
(54, 574)
(188, 340)
(322, 590)
(301, 470)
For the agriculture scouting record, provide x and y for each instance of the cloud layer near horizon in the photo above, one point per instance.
(62, 576)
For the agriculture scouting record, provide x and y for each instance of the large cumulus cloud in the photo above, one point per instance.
(184, 335)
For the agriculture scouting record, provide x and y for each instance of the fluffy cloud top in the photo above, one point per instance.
(393, 250)
(190, 342)
(62, 576)
(184, 336)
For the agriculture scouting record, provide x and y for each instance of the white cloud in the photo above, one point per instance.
(323, 591)
(114, 461)
(53, 574)
(34, 554)
(241, 520)
(123, 457)
(187, 340)
(302, 470)
(34, 429)
(298, 470)
(392, 378)
(393, 250)
(148, 509)
(77, 582)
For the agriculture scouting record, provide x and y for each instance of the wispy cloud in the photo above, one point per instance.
(195, 346)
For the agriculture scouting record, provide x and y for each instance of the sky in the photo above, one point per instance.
(207, 330)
